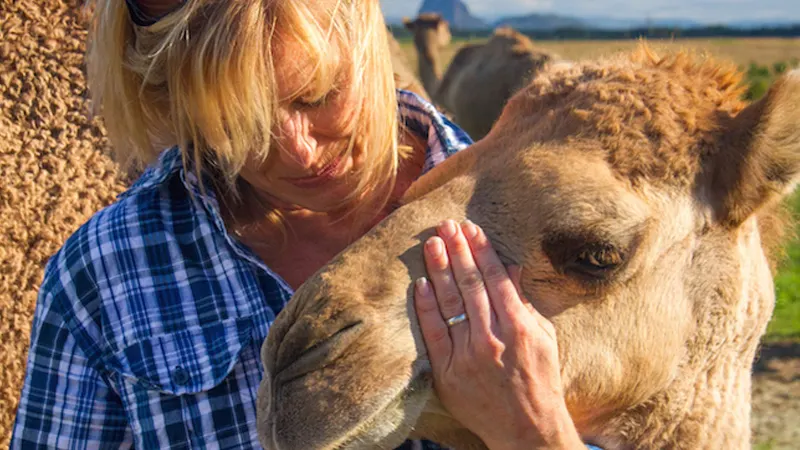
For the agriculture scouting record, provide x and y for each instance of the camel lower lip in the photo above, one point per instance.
(327, 174)
(415, 384)
(351, 441)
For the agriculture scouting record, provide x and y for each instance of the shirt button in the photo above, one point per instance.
(180, 376)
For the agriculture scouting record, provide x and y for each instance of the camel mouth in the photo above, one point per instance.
(320, 354)
(362, 437)
(301, 372)
(386, 426)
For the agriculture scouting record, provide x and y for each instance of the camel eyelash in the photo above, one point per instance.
(591, 260)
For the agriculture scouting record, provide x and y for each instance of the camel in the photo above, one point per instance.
(641, 197)
(404, 77)
(481, 77)
(55, 162)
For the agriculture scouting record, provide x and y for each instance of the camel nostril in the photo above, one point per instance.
(318, 354)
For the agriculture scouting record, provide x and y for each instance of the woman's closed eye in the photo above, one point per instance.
(314, 101)
(303, 103)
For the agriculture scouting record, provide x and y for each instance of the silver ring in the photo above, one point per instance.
(455, 320)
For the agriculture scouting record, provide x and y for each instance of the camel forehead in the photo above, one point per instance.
(655, 119)
(572, 183)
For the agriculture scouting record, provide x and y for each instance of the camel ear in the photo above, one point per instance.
(760, 161)
(408, 23)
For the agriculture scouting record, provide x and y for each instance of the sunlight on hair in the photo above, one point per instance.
(203, 78)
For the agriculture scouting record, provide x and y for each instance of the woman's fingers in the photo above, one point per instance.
(504, 297)
(468, 277)
(515, 272)
(447, 294)
(434, 330)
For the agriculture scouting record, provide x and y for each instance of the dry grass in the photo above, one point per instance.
(54, 166)
(740, 51)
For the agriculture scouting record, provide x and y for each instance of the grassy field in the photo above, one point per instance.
(785, 322)
(743, 52)
(762, 60)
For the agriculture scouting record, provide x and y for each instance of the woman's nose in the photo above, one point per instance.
(297, 144)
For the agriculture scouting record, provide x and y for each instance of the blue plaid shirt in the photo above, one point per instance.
(150, 318)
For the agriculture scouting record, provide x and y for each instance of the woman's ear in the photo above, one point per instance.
(759, 161)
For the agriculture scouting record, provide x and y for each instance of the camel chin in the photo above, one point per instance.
(386, 425)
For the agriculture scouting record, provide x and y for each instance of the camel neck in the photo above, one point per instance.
(708, 409)
(430, 70)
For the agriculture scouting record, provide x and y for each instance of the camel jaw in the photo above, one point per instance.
(387, 426)
(392, 424)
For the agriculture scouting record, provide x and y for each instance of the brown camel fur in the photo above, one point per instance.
(54, 163)
(481, 77)
(640, 196)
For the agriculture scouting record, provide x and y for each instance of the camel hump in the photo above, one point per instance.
(518, 44)
(510, 32)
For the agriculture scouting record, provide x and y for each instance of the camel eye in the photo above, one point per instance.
(586, 258)
(597, 261)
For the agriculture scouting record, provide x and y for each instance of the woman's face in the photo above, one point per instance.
(305, 166)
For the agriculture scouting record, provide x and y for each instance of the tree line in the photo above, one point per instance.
(650, 33)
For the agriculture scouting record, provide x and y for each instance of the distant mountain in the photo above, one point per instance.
(455, 12)
(541, 22)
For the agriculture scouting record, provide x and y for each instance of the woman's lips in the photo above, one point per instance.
(328, 173)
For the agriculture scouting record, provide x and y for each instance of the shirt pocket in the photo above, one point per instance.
(188, 361)
(171, 385)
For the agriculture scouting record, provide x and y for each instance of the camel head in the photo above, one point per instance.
(639, 194)
(430, 30)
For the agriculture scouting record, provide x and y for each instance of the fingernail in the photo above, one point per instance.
(423, 287)
(470, 229)
(434, 247)
(447, 229)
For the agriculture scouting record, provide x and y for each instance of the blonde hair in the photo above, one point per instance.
(203, 78)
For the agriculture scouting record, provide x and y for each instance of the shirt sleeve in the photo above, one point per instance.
(442, 136)
(66, 402)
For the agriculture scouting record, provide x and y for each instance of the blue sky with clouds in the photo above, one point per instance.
(708, 11)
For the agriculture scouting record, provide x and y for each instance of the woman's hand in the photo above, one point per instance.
(497, 371)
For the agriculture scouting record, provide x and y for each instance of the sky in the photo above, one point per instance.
(705, 11)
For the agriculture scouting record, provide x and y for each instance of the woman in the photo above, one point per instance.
(285, 145)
